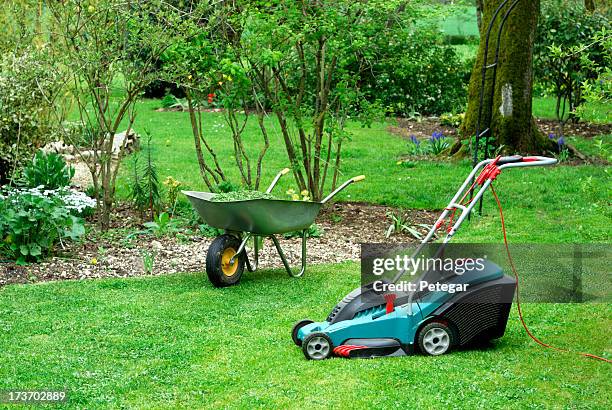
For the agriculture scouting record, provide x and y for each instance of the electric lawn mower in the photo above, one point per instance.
(366, 323)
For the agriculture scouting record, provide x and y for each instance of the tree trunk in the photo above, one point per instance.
(589, 5)
(479, 13)
(512, 124)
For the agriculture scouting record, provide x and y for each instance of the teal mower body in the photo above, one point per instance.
(367, 323)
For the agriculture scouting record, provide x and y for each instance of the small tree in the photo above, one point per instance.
(109, 49)
(567, 53)
(211, 71)
(301, 58)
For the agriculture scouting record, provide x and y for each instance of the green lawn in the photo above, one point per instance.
(174, 341)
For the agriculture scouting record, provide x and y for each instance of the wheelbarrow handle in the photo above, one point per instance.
(276, 178)
(341, 187)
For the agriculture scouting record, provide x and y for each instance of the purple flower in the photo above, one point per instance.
(551, 136)
(437, 135)
(561, 141)
(414, 140)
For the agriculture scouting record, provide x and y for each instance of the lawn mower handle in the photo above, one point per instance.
(489, 169)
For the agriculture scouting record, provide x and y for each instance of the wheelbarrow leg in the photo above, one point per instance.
(285, 262)
(253, 268)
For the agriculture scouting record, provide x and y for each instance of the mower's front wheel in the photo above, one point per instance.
(317, 346)
(436, 338)
(296, 329)
(220, 268)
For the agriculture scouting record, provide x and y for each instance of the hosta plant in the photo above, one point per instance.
(33, 221)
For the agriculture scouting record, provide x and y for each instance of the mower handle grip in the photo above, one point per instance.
(519, 161)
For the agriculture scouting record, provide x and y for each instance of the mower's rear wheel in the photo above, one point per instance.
(220, 271)
(436, 338)
(296, 329)
(317, 346)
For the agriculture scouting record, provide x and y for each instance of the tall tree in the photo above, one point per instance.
(512, 124)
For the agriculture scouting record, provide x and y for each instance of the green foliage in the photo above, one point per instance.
(208, 231)
(136, 185)
(313, 231)
(414, 71)
(150, 181)
(226, 186)
(47, 170)
(144, 186)
(109, 52)
(160, 225)
(28, 89)
(172, 190)
(451, 120)
(487, 146)
(434, 145)
(400, 223)
(597, 91)
(148, 261)
(567, 52)
(33, 221)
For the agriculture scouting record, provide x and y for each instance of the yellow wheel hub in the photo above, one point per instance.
(227, 268)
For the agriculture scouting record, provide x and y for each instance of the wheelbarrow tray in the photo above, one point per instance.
(257, 216)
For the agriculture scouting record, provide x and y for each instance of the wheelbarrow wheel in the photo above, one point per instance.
(220, 271)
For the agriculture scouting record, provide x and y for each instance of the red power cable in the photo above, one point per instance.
(518, 303)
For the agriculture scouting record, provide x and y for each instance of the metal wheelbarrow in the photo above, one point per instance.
(253, 218)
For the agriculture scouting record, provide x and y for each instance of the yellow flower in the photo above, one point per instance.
(295, 197)
(189, 77)
(94, 261)
(91, 9)
(304, 192)
(290, 192)
(399, 162)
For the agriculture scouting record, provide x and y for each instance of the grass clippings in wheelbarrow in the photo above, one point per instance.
(241, 196)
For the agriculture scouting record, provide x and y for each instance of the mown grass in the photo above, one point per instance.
(175, 342)
(557, 204)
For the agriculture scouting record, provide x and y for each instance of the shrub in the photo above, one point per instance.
(28, 88)
(33, 220)
(47, 170)
(416, 72)
(566, 52)
(144, 184)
